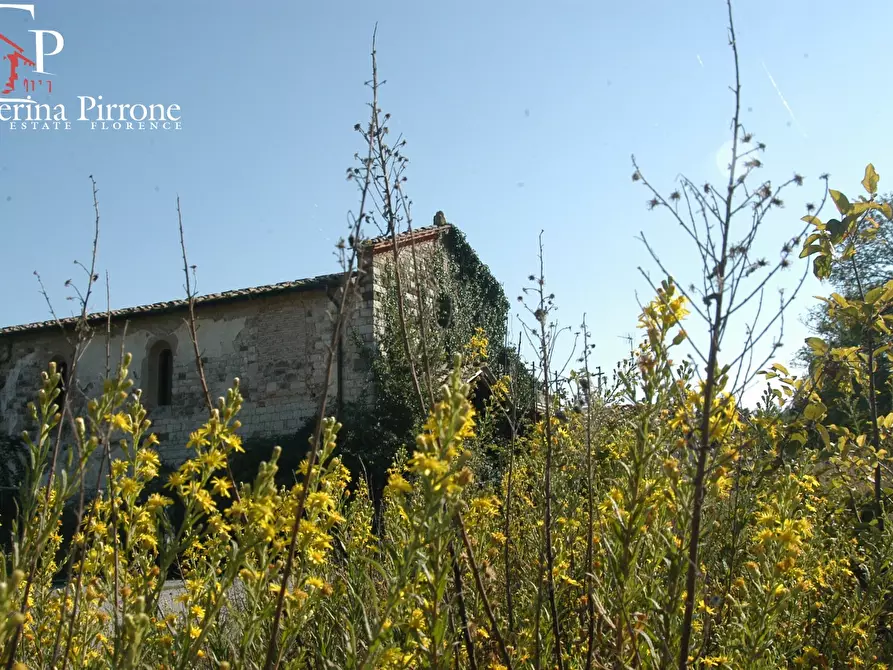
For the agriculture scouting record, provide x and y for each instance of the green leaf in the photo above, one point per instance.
(821, 266)
(818, 345)
(866, 206)
(813, 238)
(836, 229)
(840, 300)
(886, 209)
(810, 250)
(441, 624)
(826, 438)
(814, 411)
(840, 200)
(782, 369)
(814, 220)
(874, 294)
(871, 179)
(846, 353)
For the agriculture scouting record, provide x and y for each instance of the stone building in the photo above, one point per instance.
(274, 338)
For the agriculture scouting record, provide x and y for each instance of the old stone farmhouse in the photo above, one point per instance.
(274, 338)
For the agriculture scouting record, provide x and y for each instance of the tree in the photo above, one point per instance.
(869, 267)
(874, 260)
(854, 372)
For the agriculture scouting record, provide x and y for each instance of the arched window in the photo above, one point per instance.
(165, 376)
(161, 374)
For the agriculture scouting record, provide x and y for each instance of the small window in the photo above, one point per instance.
(165, 382)
(159, 373)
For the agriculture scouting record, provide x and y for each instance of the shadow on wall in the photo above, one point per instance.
(13, 461)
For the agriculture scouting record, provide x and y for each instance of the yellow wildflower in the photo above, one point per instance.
(221, 487)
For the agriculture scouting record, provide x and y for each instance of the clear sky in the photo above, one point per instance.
(520, 116)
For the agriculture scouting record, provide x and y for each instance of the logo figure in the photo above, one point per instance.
(16, 58)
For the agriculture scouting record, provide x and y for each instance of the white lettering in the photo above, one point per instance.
(38, 45)
(24, 8)
(156, 113)
(84, 110)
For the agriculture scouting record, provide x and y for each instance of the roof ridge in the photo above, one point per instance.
(423, 231)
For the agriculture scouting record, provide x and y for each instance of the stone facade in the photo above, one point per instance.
(274, 338)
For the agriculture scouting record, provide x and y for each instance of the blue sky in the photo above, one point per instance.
(520, 116)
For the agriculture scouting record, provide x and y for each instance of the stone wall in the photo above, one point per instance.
(274, 339)
(276, 344)
(429, 260)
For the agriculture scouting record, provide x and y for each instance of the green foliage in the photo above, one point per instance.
(478, 299)
(836, 241)
(852, 324)
(448, 565)
(244, 465)
(460, 296)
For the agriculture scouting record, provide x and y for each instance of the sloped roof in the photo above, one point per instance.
(170, 305)
(376, 244)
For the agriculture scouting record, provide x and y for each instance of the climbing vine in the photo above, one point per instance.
(459, 298)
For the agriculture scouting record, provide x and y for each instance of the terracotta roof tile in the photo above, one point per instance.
(418, 235)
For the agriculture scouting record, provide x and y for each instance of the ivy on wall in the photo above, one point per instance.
(459, 295)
